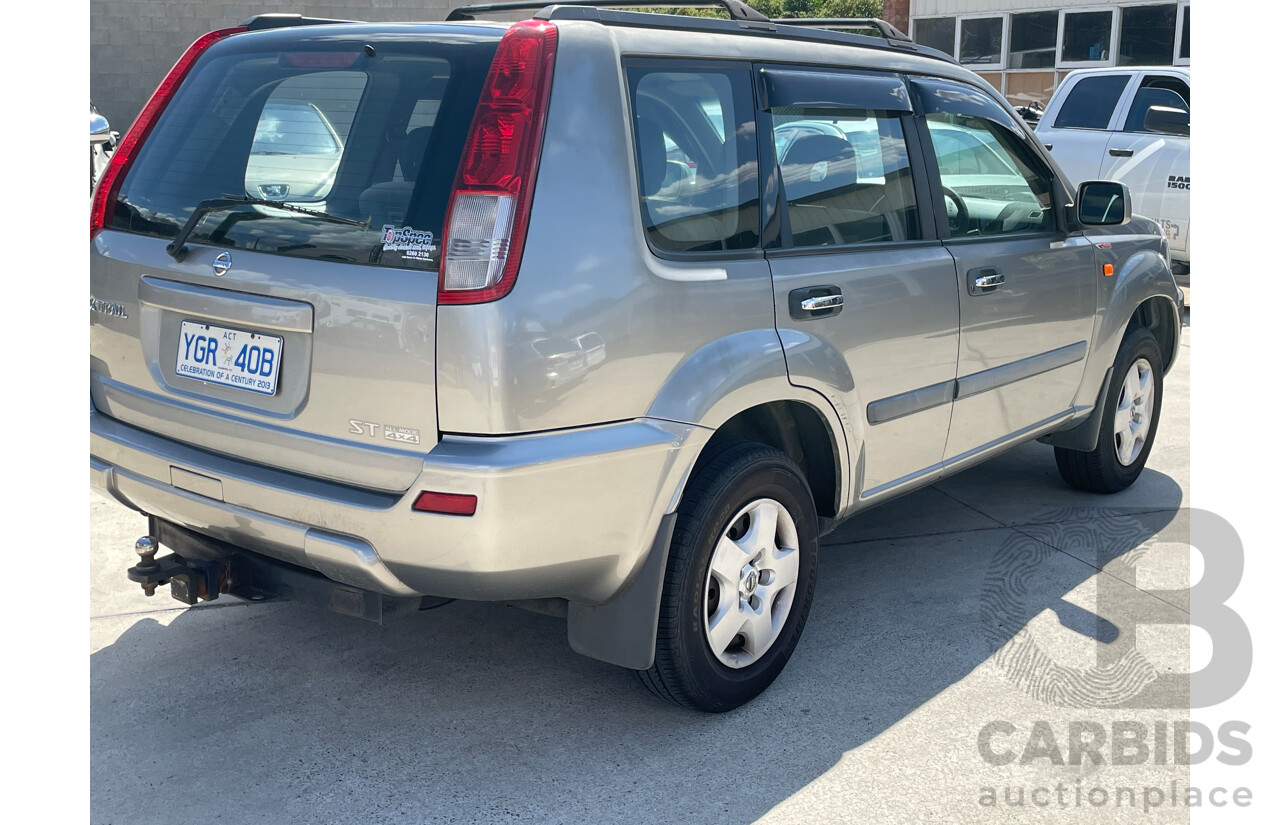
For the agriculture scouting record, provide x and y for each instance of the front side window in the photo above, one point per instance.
(1157, 90)
(936, 33)
(694, 137)
(1092, 102)
(845, 176)
(1086, 36)
(992, 183)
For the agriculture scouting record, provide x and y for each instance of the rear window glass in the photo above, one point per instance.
(359, 139)
(1092, 102)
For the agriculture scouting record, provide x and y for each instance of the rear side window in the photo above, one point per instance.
(845, 177)
(358, 140)
(694, 134)
(1091, 102)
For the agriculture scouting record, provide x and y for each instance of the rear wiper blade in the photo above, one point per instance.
(178, 249)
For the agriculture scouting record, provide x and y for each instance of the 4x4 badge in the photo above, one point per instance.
(221, 263)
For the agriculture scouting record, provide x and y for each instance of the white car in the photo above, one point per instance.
(295, 154)
(1133, 125)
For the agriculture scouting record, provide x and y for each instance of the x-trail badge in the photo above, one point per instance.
(221, 263)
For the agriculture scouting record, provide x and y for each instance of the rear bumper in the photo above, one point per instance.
(570, 514)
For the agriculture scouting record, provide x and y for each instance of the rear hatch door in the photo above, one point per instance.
(307, 171)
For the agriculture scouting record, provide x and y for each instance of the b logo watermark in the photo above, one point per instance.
(1121, 676)
(1142, 586)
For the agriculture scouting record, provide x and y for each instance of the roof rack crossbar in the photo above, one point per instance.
(887, 30)
(736, 8)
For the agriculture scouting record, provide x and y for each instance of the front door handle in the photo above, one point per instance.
(1121, 153)
(815, 302)
(985, 280)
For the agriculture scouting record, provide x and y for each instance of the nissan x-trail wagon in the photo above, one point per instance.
(389, 314)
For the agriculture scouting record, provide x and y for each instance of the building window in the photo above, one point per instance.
(982, 41)
(1086, 36)
(1146, 35)
(936, 33)
(1032, 40)
(1184, 42)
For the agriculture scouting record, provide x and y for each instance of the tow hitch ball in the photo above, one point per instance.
(189, 580)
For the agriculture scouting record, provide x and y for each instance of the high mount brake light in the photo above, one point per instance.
(104, 197)
(489, 210)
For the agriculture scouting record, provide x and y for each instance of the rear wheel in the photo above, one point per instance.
(1131, 416)
(739, 581)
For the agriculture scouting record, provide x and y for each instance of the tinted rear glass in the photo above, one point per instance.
(364, 128)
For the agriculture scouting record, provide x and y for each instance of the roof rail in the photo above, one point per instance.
(887, 30)
(745, 21)
(736, 8)
(279, 21)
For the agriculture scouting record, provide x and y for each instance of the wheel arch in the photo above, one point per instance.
(800, 431)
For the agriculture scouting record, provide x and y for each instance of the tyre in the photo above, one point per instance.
(739, 579)
(1130, 419)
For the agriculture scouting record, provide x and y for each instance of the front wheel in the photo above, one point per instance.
(1129, 423)
(739, 582)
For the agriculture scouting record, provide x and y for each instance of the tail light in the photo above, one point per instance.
(492, 193)
(109, 186)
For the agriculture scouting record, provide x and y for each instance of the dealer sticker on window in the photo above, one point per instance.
(234, 358)
(414, 243)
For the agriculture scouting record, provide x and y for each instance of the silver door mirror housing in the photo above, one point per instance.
(1166, 120)
(1104, 203)
(99, 129)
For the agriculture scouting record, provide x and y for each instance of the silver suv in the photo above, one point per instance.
(535, 313)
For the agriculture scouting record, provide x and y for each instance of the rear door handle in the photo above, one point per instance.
(985, 280)
(1121, 153)
(823, 302)
(815, 302)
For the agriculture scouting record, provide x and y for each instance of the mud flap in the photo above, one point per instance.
(1084, 436)
(624, 631)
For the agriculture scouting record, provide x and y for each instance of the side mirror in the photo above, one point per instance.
(1104, 203)
(1166, 120)
(99, 129)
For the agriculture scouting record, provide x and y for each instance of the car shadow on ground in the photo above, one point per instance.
(479, 712)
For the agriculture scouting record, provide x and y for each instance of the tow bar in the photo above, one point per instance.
(201, 568)
(189, 580)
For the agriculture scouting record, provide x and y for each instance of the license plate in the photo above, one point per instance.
(231, 357)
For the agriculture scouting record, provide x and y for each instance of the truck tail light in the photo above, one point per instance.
(104, 197)
(492, 194)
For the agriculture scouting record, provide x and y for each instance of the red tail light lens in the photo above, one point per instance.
(489, 210)
(109, 186)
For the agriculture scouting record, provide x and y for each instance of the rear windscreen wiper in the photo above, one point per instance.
(178, 249)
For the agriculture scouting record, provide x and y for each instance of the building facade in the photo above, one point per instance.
(1026, 47)
(133, 43)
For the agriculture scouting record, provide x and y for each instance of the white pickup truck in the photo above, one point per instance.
(1131, 124)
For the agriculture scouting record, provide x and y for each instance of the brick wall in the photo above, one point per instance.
(898, 12)
(133, 43)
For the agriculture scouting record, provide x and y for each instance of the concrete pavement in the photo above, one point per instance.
(983, 603)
